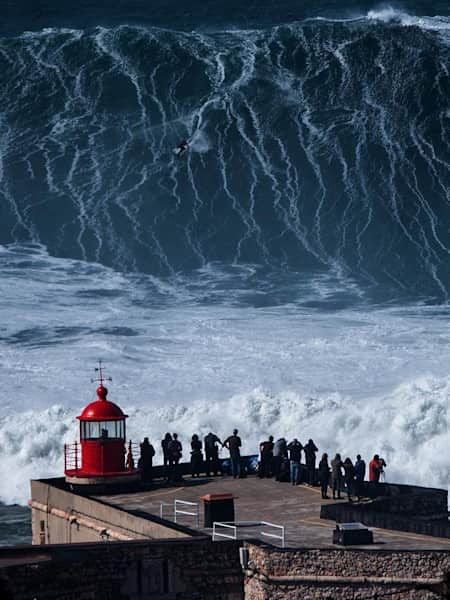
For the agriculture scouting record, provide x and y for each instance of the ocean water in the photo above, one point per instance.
(289, 275)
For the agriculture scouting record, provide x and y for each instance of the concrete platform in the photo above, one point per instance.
(295, 507)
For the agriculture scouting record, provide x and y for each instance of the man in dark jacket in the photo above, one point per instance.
(280, 453)
(233, 443)
(359, 471)
(145, 463)
(266, 450)
(175, 453)
(310, 458)
(295, 455)
(212, 453)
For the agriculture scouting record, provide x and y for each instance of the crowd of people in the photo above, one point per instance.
(278, 459)
(283, 461)
(209, 463)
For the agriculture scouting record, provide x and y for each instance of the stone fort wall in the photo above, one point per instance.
(193, 569)
(345, 574)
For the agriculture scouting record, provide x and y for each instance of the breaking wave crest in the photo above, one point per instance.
(410, 428)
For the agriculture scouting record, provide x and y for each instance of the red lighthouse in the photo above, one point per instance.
(101, 456)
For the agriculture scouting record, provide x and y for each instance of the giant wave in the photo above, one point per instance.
(316, 146)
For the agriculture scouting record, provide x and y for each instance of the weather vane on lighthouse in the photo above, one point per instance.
(101, 378)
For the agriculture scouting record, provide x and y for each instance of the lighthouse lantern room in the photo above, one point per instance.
(101, 455)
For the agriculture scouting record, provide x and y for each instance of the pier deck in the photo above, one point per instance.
(295, 507)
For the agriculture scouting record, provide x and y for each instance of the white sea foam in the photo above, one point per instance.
(389, 14)
(198, 354)
(410, 427)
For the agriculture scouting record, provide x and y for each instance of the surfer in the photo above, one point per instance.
(181, 148)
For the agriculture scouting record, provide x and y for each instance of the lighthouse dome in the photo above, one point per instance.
(102, 409)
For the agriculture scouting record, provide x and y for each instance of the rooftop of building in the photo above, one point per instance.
(296, 507)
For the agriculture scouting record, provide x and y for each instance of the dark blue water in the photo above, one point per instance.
(15, 525)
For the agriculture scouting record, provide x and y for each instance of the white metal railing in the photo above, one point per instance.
(274, 535)
(234, 525)
(227, 526)
(161, 509)
(180, 511)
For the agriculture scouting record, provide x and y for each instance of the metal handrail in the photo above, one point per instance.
(161, 510)
(228, 525)
(177, 511)
(234, 525)
(274, 535)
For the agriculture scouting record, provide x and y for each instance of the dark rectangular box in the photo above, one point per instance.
(348, 534)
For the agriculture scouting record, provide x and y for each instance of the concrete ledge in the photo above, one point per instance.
(397, 507)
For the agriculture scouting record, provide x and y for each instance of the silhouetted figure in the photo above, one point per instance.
(359, 470)
(324, 475)
(175, 453)
(266, 450)
(175, 449)
(196, 456)
(211, 442)
(349, 474)
(295, 454)
(310, 458)
(233, 443)
(280, 454)
(145, 463)
(165, 445)
(336, 475)
(376, 468)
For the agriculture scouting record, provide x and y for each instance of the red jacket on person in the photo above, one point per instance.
(375, 468)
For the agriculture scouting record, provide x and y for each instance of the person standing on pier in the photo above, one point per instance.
(145, 462)
(280, 454)
(233, 443)
(336, 476)
(266, 450)
(295, 454)
(349, 475)
(175, 453)
(310, 457)
(360, 472)
(324, 475)
(165, 445)
(376, 468)
(196, 456)
(212, 453)
(175, 449)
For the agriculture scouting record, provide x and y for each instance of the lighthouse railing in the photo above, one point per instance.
(72, 457)
(133, 451)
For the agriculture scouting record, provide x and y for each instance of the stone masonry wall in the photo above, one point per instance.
(308, 574)
(173, 570)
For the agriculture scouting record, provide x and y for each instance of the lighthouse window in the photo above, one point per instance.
(94, 430)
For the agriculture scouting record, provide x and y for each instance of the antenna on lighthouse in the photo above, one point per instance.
(101, 378)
